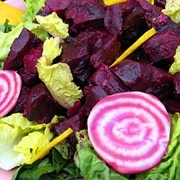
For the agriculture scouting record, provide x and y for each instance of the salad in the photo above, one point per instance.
(90, 90)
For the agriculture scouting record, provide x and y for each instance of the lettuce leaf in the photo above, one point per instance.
(90, 165)
(175, 66)
(52, 167)
(172, 10)
(32, 7)
(57, 77)
(168, 169)
(19, 140)
(53, 25)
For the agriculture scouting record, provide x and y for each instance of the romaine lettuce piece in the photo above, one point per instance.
(175, 66)
(172, 9)
(32, 7)
(168, 169)
(53, 25)
(90, 165)
(20, 139)
(57, 77)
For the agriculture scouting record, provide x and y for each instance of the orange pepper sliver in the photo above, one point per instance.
(148, 34)
(113, 2)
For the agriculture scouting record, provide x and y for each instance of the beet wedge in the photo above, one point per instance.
(10, 87)
(129, 131)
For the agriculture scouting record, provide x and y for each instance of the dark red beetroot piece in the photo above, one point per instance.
(40, 105)
(162, 46)
(144, 77)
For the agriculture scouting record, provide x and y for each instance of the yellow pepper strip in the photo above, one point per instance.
(148, 34)
(48, 147)
(113, 2)
(13, 14)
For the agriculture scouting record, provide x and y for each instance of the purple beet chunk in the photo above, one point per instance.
(93, 94)
(176, 80)
(108, 52)
(19, 48)
(160, 3)
(141, 76)
(40, 105)
(104, 78)
(28, 77)
(84, 13)
(58, 6)
(30, 59)
(21, 102)
(150, 11)
(172, 105)
(164, 22)
(162, 46)
(113, 20)
(77, 57)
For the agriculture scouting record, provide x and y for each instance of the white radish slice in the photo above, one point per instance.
(129, 131)
(10, 87)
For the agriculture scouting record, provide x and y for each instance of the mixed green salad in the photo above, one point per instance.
(21, 140)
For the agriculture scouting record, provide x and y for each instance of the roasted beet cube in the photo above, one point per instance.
(107, 53)
(113, 19)
(144, 77)
(164, 23)
(21, 102)
(19, 48)
(40, 105)
(93, 94)
(85, 12)
(104, 78)
(162, 46)
(176, 80)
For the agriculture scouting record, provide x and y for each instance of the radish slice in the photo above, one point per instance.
(129, 131)
(10, 87)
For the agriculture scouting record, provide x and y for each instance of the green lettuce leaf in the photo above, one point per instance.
(52, 167)
(172, 9)
(168, 169)
(53, 25)
(32, 7)
(57, 77)
(175, 66)
(90, 165)
(20, 139)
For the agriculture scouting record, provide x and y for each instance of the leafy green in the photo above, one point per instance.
(19, 140)
(5, 28)
(172, 10)
(32, 7)
(52, 167)
(90, 165)
(168, 169)
(53, 25)
(57, 77)
(175, 66)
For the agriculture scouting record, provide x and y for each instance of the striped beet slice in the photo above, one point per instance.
(129, 131)
(10, 87)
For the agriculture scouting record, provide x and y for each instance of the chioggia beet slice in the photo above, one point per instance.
(129, 131)
(10, 87)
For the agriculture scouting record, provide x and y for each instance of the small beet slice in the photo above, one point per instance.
(129, 131)
(10, 87)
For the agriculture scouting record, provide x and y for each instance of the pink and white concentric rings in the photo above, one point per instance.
(10, 86)
(129, 131)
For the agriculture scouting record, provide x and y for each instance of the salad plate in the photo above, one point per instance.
(111, 75)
